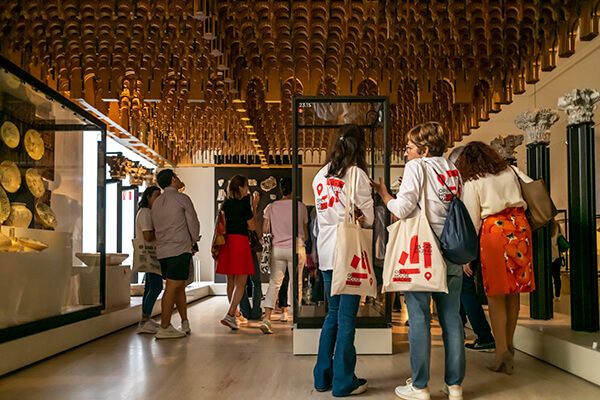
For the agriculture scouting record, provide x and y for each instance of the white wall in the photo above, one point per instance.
(579, 71)
(200, 186)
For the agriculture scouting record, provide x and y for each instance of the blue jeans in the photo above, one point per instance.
(419, 333)
(337, 333)
(256, 311)
(152, 288)
(472, 307)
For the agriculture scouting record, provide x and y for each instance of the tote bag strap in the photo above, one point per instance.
(350, 191)
(423, 197)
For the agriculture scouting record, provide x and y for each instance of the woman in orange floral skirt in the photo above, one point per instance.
(492, 195)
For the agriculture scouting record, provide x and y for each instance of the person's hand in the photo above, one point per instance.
(359, 216)
(467, 269)
(379, 188)
(255, 198)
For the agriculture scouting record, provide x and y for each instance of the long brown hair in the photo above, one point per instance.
(348, 150)
(478, 159)
(235, 184)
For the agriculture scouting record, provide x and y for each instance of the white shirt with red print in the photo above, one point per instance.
(438, 196)
(330, 201)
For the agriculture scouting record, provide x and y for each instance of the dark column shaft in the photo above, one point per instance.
(582, 227)
(541, 306)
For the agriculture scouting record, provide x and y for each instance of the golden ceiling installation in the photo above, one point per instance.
(201, 76)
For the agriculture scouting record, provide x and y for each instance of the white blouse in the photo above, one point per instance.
(493, 193)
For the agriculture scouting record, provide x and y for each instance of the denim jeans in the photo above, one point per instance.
(152, 288)
(338, 331)
(256, 311)
(472, 307)
(419, 333)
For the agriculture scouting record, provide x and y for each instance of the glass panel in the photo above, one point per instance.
(318, 122)
(48, 206)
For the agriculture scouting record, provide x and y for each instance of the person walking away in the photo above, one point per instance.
(426, 144)
(153, 284)
(177, 230)
(235, 258)
(492, 195)
(278, 221)
(336, 359)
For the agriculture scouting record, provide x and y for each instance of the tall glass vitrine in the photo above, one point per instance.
(315, 121)
(52, 208)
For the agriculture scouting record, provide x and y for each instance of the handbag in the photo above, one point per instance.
(144, 257)
(563, 243)
(459, 240)
(254, 241)
(218, 235)
(413, 261)
(540, 207)
(265, 256)
(352, 265)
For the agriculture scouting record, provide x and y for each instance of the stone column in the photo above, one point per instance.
(536, 125)
(579, 106)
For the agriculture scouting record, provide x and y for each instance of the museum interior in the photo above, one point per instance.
(98, 96)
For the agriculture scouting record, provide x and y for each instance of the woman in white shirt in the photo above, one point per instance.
(154, 284)
(492, 195)
(338, 331)
(426, 144)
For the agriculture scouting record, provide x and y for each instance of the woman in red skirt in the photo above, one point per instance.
(492, 195)
(235, 258)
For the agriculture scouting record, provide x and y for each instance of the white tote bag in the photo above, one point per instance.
(413, 260)
(144, 257)
(352, 266)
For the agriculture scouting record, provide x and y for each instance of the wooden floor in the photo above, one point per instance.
(216, 363)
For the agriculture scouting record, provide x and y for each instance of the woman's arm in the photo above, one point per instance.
(149, 236)
(266, 228)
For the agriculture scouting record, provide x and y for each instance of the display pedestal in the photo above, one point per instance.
(582, 227)
(368, 341)
(538, 166)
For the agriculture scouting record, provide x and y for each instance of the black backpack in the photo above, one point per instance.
(459, 240)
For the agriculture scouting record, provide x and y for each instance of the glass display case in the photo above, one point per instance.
(318, 119)
(52, 190)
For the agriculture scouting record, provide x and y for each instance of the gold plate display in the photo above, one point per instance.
(4, 206)
(34, 145)
(33, 244)
(45, 215)
(35, 182)
(10, 134)
(10, 177)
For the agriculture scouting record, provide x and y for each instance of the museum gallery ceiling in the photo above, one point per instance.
(190, 76)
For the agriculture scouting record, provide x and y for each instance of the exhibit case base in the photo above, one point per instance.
(368, 341)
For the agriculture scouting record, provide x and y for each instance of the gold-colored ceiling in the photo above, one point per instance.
(186, 77)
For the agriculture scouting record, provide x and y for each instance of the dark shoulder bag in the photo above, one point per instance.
(540, 207)
(459, 239)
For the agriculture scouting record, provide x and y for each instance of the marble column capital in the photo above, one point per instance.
(579, 105)
(536, 124)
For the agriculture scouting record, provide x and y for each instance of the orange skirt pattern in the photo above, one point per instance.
(506, 247)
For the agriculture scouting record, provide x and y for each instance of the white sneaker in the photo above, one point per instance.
(241, 320)
(185, 327)
(153, 322)
(230, 321)
(146, 327)
(170, 333)
(265, 326)
(284, 317)
(453, 394)
(409, 392)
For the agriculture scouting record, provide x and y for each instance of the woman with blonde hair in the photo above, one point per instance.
(493, 197)
(235, 257)
(426, 144)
